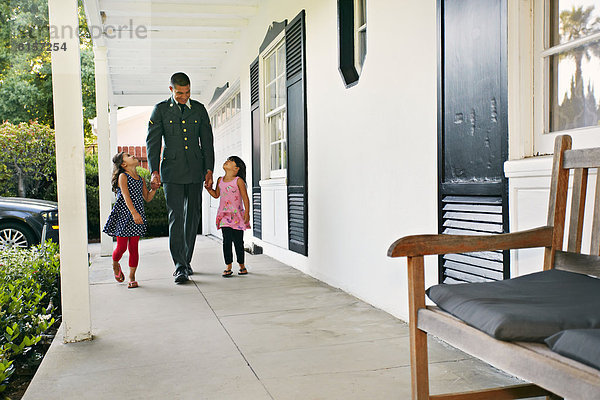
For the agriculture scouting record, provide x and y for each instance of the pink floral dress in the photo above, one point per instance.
(231, 207)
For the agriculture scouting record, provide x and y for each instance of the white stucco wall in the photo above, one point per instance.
(372, 174)
(133, 130)
(132, 124)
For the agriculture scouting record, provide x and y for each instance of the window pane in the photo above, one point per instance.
(277, 127)
(281, 91)
(281, 126)
(361, 12)
(575, 88)
(362, 46)
(283, 155)
(281, 59)
(275, 156)
(271, 94)
(270, 72)
(573, 19)
(273, 128)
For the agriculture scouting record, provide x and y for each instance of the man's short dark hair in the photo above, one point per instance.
(180, 79)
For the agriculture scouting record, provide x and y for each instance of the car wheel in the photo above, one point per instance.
(15, 235)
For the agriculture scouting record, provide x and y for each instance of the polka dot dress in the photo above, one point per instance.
(120, 221)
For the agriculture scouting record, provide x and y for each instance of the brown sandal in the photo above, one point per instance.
(227, 273)
(243, 271)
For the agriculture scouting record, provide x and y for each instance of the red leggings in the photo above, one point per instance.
(122, 244)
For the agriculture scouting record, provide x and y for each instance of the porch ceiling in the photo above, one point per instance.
(148, 40)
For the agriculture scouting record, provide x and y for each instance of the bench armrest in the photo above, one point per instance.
(422, 245)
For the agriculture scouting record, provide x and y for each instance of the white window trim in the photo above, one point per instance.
(543, 142)
(265, 145)
(520, 79)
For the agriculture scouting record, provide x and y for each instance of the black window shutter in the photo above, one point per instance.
(295, 56)
(255, 119)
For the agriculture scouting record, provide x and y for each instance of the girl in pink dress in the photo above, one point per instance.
(232, 217)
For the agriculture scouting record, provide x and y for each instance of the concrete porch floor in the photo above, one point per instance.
(273, 334)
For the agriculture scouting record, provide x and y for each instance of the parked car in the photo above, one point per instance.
(25, 222)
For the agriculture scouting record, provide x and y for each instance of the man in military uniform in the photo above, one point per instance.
(187, 160)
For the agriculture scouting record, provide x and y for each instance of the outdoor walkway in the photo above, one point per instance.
(273, 334)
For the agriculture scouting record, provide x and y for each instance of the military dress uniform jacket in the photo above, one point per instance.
(188, 142)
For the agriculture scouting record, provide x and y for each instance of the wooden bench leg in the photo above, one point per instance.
(418, 339)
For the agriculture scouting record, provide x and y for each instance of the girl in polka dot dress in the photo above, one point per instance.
(232, 216)
(127, 221)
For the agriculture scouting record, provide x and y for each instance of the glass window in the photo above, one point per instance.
(572, 65)
(352, 39)
(360, 33)
(225, 112)
(275, 108)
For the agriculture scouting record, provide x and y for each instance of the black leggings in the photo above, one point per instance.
(237, 237)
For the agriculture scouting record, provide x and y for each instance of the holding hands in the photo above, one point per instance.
(208, 179)
(155, 181)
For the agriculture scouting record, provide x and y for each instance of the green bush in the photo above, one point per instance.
(91, 194)
(27, 160)
(29, 306)
(156, 210)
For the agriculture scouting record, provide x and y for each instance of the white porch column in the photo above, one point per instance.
(104, 150)
(70, 172)
(113, 128)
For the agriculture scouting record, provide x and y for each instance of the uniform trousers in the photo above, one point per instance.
(184, 204)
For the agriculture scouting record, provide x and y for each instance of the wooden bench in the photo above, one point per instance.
(550, 374)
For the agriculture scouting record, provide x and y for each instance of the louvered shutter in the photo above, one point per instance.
(472, 215)
(255, 126)
(296, 130)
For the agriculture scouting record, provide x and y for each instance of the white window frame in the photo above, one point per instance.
(544, 140)
(359, 27)
(267, 172)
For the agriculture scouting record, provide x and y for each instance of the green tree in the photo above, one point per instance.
(25, 69)
(27, 160)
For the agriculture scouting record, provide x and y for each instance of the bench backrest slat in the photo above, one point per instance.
(580, 263)
(595, 244)
(557, 204)
(582, 158)
(580, 178)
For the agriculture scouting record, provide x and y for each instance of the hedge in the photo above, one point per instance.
(29, 307)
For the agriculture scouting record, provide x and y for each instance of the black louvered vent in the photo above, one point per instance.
(293, 48)
(297, 216)
(472, 215)
(256, 213)
(254, 89)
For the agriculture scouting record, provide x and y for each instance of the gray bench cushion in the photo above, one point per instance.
(582, 345)
(528, 308)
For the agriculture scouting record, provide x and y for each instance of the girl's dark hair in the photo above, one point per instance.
(241, 165)
(117, 170)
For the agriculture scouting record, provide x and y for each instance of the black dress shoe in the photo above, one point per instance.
(189, 270)
(181, 275)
